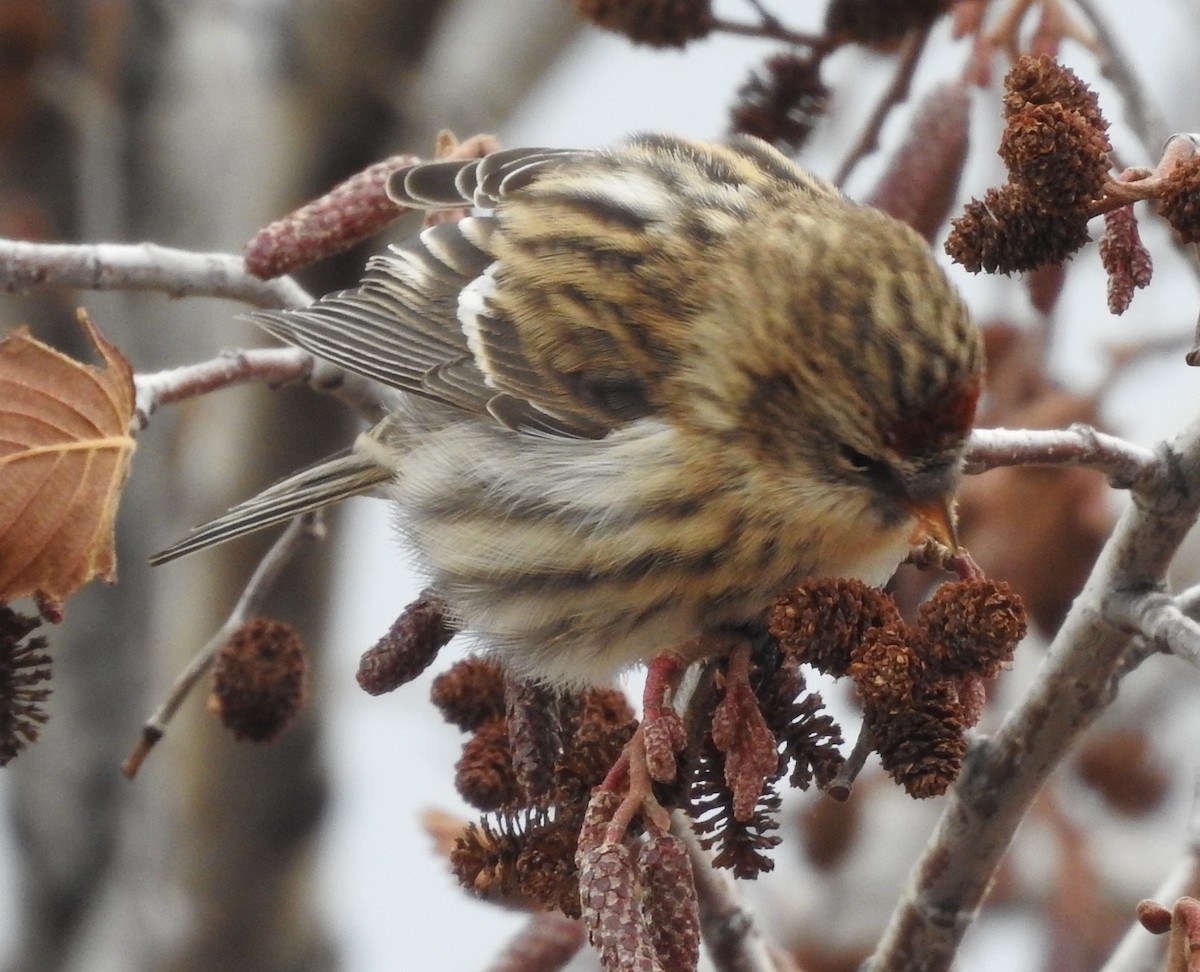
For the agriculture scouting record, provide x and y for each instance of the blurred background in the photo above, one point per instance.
(193, 123)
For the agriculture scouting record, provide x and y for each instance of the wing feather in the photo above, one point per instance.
(327, 482)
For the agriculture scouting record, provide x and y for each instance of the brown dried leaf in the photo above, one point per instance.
(65, 448)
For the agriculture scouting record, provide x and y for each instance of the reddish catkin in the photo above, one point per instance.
(1126, 259)
(921, 181)
(609, 893)
(671, 910)
(409, 647)
(350, 212)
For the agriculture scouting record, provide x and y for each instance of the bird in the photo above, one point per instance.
(642, 390)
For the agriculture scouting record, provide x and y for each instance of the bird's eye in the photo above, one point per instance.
(863, 464)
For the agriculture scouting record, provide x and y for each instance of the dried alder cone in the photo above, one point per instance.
(783, 102)
(565, 846)
(528, 851)
(258, 680)
(916, 682)
(1180, 203)
(1058, 155)
(657, 23)
(1056, 148)
(65, 448)
(24, 681)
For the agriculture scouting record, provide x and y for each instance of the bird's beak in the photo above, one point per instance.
(935, 521)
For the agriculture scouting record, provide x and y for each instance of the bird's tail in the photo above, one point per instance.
(329, 481)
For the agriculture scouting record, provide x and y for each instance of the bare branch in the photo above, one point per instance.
(276, 366)
(141, 266)
(1127, 466)
(1140, 113)
(1158, 618)
(303, 527)
(547, 942)
(734, 943)
(1003, 774)
(773, 29)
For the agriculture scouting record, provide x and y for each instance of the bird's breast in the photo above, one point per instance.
(577, 559)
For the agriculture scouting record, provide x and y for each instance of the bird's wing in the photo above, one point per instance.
(483, 183)
(329, 481)
(422, 320)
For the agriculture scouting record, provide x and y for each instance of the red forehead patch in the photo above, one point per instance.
(939, 422)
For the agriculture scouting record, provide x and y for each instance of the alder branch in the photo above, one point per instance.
(1003, 774)
(303, 527)
(1126, 465)
(772, 28)
(275, 366)
(141, 266)
(1141, 115)
(1158, 618)
(1140, 950)
(733, 941)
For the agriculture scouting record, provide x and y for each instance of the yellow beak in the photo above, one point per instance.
(935, 520)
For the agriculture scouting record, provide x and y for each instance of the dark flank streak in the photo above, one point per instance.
(698, 231)
(463, 505)
(864, 324)
(587, 579)
(635, 619)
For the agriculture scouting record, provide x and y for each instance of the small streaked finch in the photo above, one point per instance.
(645, 390)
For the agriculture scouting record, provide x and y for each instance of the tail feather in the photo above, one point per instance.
(327, 482)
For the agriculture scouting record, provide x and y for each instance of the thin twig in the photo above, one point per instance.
(772, 30)
(841, 786)
(141, 266)
(1141, 114)
(275, 366)
(1127, 466)
(263, 579)
(546, 942)
(897, 91)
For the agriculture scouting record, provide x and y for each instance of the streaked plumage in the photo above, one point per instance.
(651, 387)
